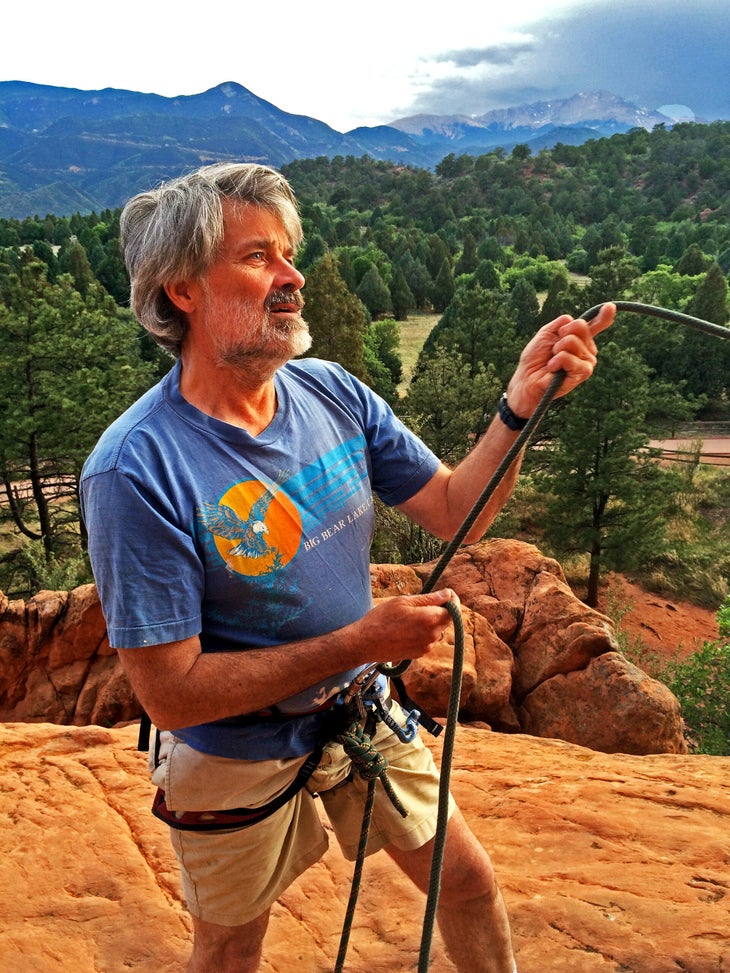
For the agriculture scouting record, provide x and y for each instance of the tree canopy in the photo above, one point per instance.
(495, 244)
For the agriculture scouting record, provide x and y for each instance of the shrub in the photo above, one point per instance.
(702, 686)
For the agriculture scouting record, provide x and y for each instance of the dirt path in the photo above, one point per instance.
(664, 627)
(715, 452)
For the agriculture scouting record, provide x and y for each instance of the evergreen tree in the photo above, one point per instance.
(523, 300)
(336, 318)
(446, 403)
(373, 292)
(692, 262)
(69, 364)
(487, 275)
(467, 262)
(710, 301)
(382, 359)
(707, 360)
(384, 337)
(418, 279)
(401, 296)
(314, 249)
(443, 287)
(346, 267)
(611, 276)
(480, 326)
(72, 259)
(602, 487)
(558, 300)
(44, 251)
(437, 253)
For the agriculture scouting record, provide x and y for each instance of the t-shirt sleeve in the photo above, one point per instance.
(401, 462)
(147, 571)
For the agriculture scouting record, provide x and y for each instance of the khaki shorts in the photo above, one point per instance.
(231, 877)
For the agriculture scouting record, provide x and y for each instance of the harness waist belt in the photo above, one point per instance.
(237, 817)
(230, 819)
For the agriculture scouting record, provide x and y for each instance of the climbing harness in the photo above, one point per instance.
(396, 671)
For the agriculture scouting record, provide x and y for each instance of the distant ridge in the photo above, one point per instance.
(65, 150)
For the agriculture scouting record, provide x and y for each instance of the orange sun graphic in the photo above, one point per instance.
(271, 528)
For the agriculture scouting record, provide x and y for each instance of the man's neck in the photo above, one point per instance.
(247, 401)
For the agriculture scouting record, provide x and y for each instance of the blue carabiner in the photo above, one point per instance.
(408, 732)
(405, 733)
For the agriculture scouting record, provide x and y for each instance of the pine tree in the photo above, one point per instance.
(373, 292)
(336, 318)
(601, 486)
(443, 287)
(446, 403)
(382, 359)
(523, 299)
(556, 301)
(692, 262)
(707, 359)
(480, 326)
(401, 296)
(69, 364)
(467, 262)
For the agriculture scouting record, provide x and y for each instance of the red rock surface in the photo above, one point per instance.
(56, 663)
(537, 658)
(608, 863)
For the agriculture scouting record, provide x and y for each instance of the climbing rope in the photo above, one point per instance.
(356, 741)
(361, 743)
(442, 818)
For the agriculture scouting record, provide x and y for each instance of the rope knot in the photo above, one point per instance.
(369, 762)
(358, 746)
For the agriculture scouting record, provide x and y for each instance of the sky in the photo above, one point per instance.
(372, 63)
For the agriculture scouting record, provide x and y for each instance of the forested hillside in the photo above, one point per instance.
(494, 245)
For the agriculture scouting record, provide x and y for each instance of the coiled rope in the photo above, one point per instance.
(510, 456)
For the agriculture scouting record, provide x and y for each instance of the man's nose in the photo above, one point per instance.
(289, 276)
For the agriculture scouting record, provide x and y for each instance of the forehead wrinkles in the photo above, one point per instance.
(246, 224)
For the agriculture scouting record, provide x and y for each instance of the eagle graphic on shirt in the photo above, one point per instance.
(249, 519)
(257, 527)
(249, 533)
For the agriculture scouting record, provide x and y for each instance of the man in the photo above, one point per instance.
(230, 515)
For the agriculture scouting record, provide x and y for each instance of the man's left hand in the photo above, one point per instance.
(567, 344)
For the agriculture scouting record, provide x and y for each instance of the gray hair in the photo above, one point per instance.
(175, 231)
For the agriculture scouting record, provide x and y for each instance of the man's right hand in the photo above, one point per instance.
(406, 626)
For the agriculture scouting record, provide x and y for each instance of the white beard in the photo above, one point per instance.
(256, 339)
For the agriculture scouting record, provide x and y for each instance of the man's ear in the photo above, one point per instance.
(181, 294)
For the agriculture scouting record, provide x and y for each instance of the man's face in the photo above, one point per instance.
(248, 303)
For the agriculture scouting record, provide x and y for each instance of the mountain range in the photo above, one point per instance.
(64, 150)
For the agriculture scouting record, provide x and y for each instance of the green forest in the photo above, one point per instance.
(482, 250)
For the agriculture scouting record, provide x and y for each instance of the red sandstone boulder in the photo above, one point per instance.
(612, 706)
(56, 664)
(558, 634)
(568, 679)
(531, 657)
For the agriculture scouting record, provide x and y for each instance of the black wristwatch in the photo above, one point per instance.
(513, 422)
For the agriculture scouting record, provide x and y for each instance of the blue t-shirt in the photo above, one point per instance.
(198, 528)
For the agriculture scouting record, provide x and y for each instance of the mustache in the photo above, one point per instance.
(284, 297)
